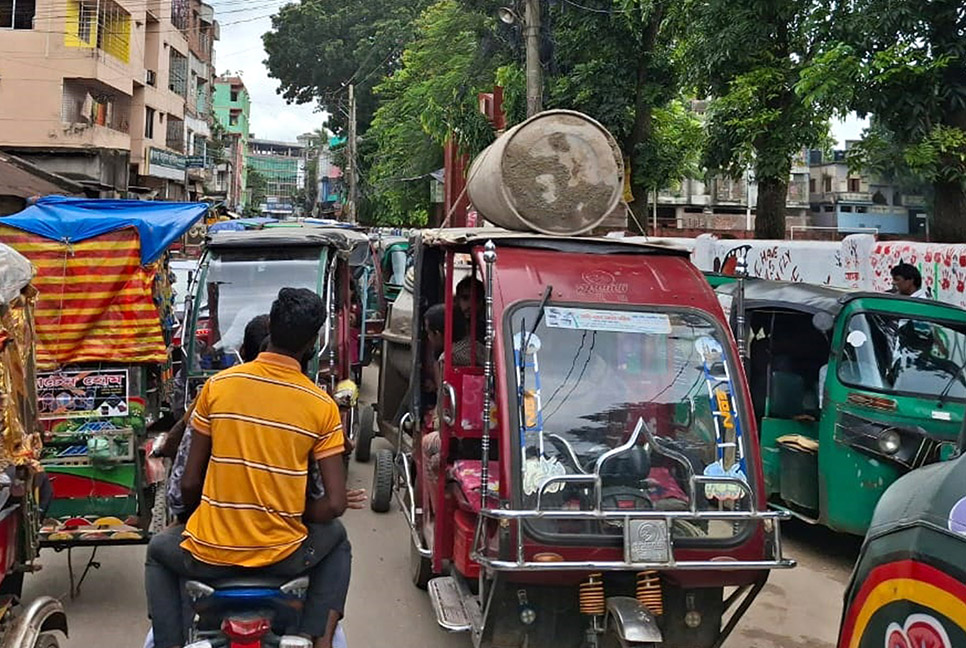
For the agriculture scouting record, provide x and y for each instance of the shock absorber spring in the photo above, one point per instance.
(649, 592)
(592, 596)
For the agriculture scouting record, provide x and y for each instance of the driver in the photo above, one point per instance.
(247, 474)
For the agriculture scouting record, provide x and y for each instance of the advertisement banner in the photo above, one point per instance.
(101, 393)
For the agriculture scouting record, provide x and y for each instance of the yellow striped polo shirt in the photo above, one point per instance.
(266, 420)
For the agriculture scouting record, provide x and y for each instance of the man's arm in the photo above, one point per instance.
(193, 479)
(334, 502)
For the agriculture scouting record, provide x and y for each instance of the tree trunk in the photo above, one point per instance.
(949, 212)
(770, 216)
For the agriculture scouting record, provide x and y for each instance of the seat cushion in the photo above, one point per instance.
(468, 477)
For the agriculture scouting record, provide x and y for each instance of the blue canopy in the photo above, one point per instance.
(70, 220)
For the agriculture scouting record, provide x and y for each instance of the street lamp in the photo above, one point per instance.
(507, 16)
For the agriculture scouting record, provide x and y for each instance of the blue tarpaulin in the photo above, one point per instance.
(239, 224)
(71, 220)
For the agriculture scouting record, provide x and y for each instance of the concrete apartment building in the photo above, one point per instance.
(232, 109)
(98, 91)
(857, 201)
(282, 165)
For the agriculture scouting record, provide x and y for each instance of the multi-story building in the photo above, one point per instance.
(856, 200)
(232, 108)
(331, 189)
(96, 91)
(282, 166)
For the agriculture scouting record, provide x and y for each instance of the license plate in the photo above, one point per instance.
(646, 541)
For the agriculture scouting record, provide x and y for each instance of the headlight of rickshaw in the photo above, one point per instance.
(889, 441)
(346, 393)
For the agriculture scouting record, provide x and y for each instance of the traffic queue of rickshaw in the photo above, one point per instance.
(592, 442)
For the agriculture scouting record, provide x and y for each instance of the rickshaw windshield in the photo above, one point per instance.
(892, 353)
(240, 285)
(590, 375)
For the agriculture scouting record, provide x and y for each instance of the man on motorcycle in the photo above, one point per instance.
(257, 426)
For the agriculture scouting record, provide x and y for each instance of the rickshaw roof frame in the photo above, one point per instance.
(811, 298)
(471, 236)
(344, 240)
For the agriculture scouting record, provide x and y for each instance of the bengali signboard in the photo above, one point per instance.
(166, 164)
(101, 393)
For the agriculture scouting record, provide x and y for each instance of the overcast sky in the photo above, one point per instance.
(240, 50)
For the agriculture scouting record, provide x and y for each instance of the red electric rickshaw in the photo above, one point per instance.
(596, 479)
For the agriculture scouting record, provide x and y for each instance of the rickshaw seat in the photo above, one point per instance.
(467, 474)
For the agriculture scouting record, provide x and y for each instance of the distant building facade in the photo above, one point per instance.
(232, 108)
(282, 166)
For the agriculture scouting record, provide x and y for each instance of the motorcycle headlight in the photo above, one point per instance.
(889, 441)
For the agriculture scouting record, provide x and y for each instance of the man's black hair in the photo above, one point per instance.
(468, 281)
(295, 320)
(909, 272)
(256, 333)
(436, 318)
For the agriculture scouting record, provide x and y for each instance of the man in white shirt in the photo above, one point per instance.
(907, 281)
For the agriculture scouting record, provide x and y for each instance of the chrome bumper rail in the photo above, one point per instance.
(515, 519)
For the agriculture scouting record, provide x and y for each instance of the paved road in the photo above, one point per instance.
(797, 609)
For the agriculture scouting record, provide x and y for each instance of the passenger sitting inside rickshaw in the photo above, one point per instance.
(434, 323)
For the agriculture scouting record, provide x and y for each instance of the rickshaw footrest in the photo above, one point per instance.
(447, 600)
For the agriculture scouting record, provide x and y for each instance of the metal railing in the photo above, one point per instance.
(518, 518)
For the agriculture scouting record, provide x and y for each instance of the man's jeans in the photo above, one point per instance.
(325, 556)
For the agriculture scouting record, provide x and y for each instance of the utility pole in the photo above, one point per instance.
(353, 185)
(531, 29)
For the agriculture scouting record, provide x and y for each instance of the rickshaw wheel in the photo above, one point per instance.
(367, 419)
(420, 568)
(382, 477)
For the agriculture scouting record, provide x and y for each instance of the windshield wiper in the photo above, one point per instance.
(540, 311)
(957, 375)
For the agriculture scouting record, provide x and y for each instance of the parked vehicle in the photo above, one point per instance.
(105, 370)
(598, 479)
(908, 589)
(22, 495)
(850, 392)
(239, 277)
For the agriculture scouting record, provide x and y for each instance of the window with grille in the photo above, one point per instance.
(104, 25)
(148, 122)
(178, 73)
(17, 14)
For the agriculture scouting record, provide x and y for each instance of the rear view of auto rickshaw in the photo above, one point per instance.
(908, 589)
(850, 392)
(582, 465)
(239, 277)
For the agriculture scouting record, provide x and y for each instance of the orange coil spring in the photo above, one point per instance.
(592, 596)
(649, 592)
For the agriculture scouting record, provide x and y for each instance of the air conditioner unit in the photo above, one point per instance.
(150, 77)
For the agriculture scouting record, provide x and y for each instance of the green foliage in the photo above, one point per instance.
(749, 56)
(316, 48)
(432, 94)
(904, 62)
(257, 187)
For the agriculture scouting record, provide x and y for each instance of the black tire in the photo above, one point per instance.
(382, 477)
(420, 569)
(46, 640)
(365, 434)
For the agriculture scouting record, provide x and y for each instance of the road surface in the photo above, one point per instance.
(799, 608)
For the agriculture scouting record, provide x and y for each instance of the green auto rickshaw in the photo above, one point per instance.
(908, 589)
(851, 390)
(394, 260)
